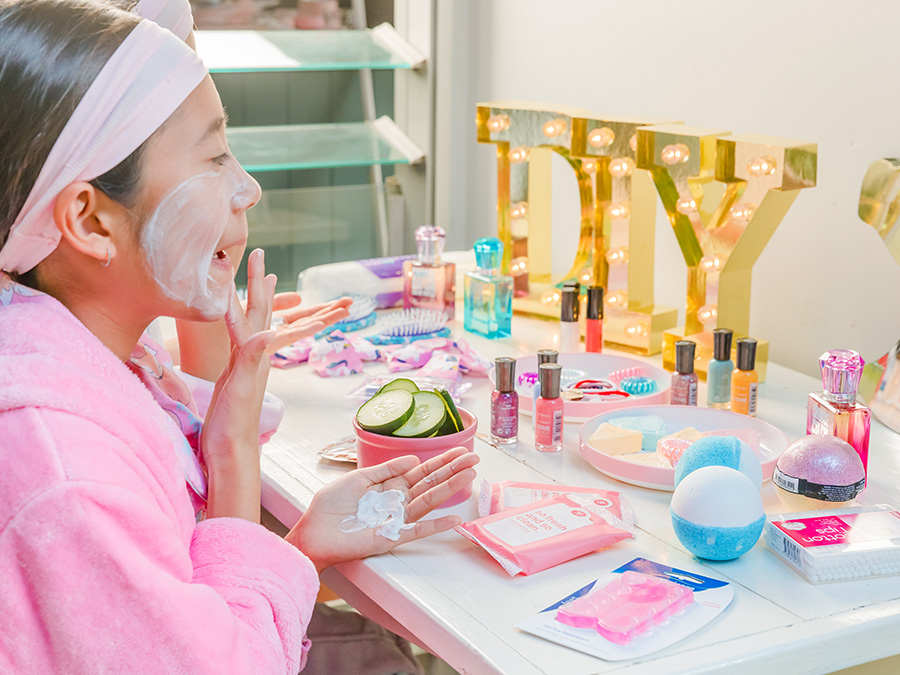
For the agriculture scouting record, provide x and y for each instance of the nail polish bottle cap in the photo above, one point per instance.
(841, 371)
(549, 373)
(746, 354)
(684, 356)
(722, 344)
(430, 242)
(569, 310)
(488, 253)
(505, 373)
(594, 303)
(547, 356)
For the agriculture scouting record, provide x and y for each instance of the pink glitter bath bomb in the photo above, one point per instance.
(827, 460)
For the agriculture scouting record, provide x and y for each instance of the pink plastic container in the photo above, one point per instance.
(372, 449)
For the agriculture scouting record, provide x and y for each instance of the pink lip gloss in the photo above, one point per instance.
(593, 338)
(505, 402)
(548, 420)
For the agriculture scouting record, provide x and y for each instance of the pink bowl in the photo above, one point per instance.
(372, 449)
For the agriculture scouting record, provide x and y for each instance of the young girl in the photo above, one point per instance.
(120, 203)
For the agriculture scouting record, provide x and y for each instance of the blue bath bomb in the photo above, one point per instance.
(717, 513)
(720, 451)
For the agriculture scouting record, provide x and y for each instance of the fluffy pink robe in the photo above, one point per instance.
(102, 566)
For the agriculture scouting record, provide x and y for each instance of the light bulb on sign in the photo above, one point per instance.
(518, 267)
(617, 256)
(554, 128)
(632, 142)
(589, 165)
(498, 123)
(677, 153)
(707, 314)
(636, 329)
(519, 154)
(617, 299)
(712, 263)
(518, 210)
(742, 213)
(620, 210)
(601, 137)
(551, 297)
(586, 279)
(761, 166)
(686, 205)
(621, 167)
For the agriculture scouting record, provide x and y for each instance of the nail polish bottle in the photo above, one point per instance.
(428, 282)
(593, 338)
(548, 420)
(718, 372)
(569, 330)
(744, 380)
(835, 410)
(684, 379)
(543, 356)
(505, 402)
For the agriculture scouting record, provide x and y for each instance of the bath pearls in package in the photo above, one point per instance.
(536, 536)
(508, 494)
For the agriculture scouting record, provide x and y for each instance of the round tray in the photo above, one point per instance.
(772, 442)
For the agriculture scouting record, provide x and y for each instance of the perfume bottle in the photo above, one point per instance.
(548, 420)
(718, 372)
(428, 282)
(593, 335)
(488, 294)
(543, 356)
(569, 330)
(835, 411)
(684, 379)
(504, 402)
(744, 380)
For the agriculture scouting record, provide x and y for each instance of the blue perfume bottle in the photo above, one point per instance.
(488, 294)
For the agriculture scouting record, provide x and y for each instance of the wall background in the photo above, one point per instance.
(820, 71)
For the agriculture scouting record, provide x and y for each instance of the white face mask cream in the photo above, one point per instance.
(181, 237)
(384, 511)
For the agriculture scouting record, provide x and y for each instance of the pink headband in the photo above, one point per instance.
(174, 15)
(143, 83)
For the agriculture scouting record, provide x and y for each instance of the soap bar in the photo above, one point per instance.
(648, 459)
(748, 436)
(652, 428)
(614, 440)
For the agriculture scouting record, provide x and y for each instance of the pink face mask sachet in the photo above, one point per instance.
(507, 494)
(551, 531)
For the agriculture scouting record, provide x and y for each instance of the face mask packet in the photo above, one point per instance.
(538, 536)
(507, 494)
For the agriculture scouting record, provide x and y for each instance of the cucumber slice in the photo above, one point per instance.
(387, 412)
(428, 417)
(399, 383)
(449, 426)
(451, 406)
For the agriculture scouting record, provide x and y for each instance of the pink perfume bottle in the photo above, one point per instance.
(428, 282)
(835, 411)
(504, 402)
(548, 418)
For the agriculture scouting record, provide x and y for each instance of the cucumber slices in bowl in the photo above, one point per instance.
(386, 412)
(400, 409)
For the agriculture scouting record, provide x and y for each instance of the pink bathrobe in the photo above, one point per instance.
(102, 566)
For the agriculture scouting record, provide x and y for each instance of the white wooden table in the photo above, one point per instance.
(451, 598)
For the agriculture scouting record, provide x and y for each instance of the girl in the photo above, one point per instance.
(120, 203)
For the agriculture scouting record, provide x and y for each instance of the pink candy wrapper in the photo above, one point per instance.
(353, 348)
(294, 354)
(417, 354)
(442, 366)
(496, 497)
(537, 536)
(333, 356)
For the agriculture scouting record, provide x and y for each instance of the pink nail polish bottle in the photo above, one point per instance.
(505, 402)
(684, 379)
(548, 419)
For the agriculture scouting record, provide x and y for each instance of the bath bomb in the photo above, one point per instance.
(720, 451)
(717, 513)
(817, 472)
(614, 440)
(652, 428)
(748, 436)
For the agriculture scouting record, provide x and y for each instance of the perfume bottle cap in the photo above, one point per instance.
(488, 253)
(722, 344)
(594, 302)
(547, 356)
(684, 356)
(841, 371)
(549, 374)
(569, 308)
(430, 242)
(746, 354)
(505, 373)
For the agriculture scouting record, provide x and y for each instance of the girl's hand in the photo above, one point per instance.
(299, 322)
(230, 437)
(318, 532)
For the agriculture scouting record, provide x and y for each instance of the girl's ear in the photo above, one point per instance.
(89, 220)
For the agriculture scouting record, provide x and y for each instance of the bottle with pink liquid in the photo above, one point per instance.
(505, 402)
(428, 282)
(835, 411)
(548, 418)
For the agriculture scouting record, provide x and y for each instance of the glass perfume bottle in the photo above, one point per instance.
(835, 411)
(427, 282)
(548, 419)
(684, 379)
(504, 402)
(488, 294)
(745, 380)
(718, 372)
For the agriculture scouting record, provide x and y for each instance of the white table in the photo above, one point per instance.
(450, 597)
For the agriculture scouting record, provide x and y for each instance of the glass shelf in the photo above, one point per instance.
(247, 51)
(320, 146)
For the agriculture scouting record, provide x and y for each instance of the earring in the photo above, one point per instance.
(108, 258)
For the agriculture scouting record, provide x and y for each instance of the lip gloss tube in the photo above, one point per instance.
(593, 339)
(569, 330)
(548, 421)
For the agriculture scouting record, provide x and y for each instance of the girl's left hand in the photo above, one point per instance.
(318, 532)
(299, 322)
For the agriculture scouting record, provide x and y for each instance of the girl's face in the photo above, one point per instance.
(192, 209)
